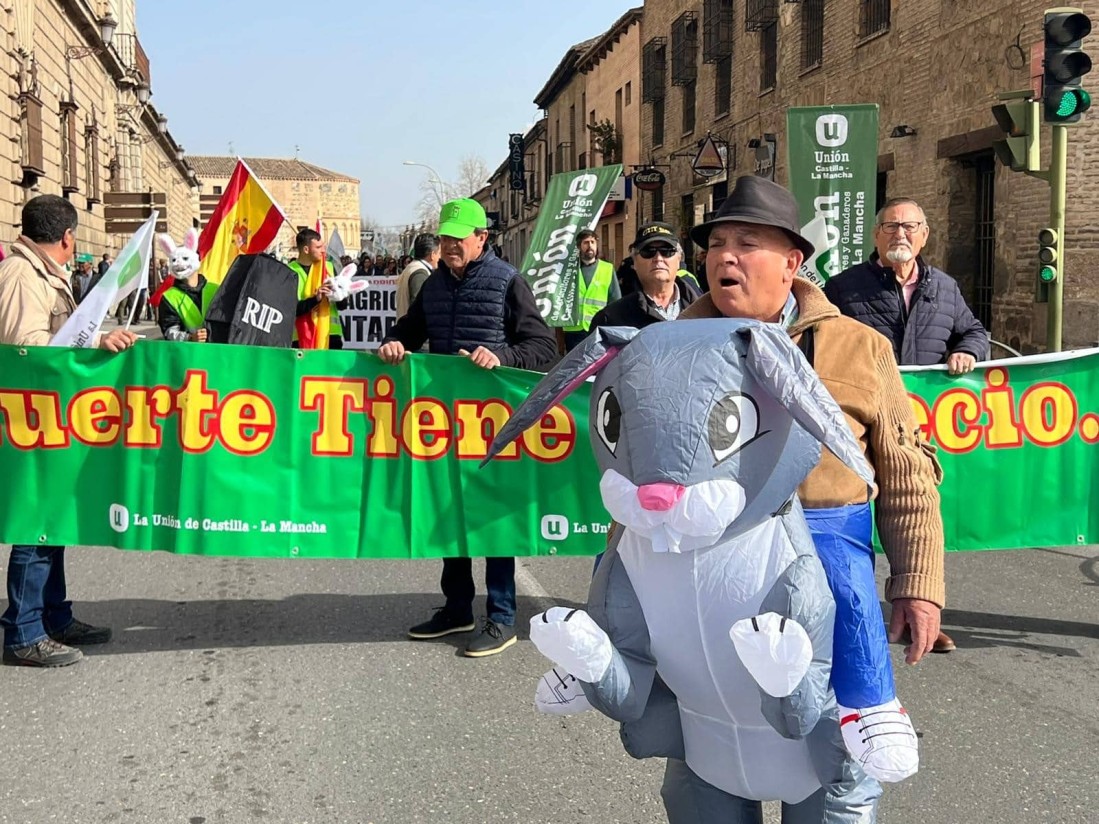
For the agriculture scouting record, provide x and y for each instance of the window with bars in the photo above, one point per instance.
(723, 86)
(70, 170)
(654, 67)
(658, 204)
(717, 30)
(689, 105)
(685, 49)
(812, 33)
(759, 14)
(31, 144)
(873, 17)
(768, 58)
(658, 122)
(91, 162)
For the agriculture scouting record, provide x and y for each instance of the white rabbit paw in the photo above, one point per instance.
(881, 739)
(559, 693)
(572, 640)
(775, 650)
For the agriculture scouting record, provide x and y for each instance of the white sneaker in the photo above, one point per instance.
(559, 693)
(881, 739)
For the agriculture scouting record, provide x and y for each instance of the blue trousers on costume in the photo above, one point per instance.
(862, 671)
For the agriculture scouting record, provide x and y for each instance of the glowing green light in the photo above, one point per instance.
(1066, 105)
(1048, 274)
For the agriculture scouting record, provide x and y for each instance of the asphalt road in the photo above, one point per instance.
(279, 691)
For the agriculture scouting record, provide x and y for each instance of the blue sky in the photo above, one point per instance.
(360, 85)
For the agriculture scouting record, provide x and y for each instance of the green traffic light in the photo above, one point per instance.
(1068, 103)
(1047, 274)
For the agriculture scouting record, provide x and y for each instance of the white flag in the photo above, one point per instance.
(336, 248)
(128, 273)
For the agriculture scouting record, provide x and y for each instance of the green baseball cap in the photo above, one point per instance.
(459, 218)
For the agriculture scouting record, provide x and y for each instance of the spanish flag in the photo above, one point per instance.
(314, 328)
(245, 222)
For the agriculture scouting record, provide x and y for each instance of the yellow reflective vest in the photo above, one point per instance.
(593, 296)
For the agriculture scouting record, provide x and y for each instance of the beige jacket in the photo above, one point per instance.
(35, 299)
(856, 365)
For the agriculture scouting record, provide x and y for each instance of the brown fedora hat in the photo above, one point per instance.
(757, 200)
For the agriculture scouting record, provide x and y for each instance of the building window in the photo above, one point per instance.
(768, 58)
(873, 17)
(658, 204)
(32, 154)
(717, 30)
(689, 108)
(629, 93)
(91, 162)
(812, 34)
(572, 137)
(217, 190)
(759, 14)
(723, 86)
(654, 66)
(685, 49)
(70, 168)
(658, 123)
(985, 168)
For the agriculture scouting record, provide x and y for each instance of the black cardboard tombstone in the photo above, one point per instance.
(255, 304)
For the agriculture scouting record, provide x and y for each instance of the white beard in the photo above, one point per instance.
(697, 520)
(899, 255)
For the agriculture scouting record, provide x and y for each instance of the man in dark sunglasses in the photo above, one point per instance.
(657, 257)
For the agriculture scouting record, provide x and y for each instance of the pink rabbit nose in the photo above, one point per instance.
(659, 497)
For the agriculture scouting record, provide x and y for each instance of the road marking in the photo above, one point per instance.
(525, 580)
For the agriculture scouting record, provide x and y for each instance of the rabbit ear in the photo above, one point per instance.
(190, 240)
(348, 271)
(778, 365)
(356, 286)
(596, 351)
(166, 244)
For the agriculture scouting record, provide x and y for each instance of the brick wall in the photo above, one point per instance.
(937, 68)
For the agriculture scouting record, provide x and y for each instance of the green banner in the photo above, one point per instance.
(833, 163)
(573, 202)
(224, 450)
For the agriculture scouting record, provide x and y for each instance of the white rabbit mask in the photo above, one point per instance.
(183, 261)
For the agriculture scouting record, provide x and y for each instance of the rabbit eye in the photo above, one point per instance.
(733, 424)
(608, 419)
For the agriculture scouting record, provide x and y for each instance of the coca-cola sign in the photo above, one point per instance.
(648, 180)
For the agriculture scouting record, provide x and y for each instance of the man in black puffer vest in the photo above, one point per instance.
(918, 307)
(474, 305)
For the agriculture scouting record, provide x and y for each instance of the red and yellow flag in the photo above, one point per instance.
(313, 329)
(245, 222)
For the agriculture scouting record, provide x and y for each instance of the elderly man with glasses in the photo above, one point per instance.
(918, 307)
(657, 256)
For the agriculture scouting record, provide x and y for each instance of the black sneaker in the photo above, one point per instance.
(45, 653)
(441, 623)
(79, 634)
(492, 638)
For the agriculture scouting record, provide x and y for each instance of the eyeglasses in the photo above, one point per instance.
(666, 252)
(909, 226)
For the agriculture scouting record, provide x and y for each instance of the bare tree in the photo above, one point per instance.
(473, 173)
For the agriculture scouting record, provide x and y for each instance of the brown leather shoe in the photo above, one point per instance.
(944, 643)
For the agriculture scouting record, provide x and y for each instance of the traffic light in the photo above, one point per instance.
(1020, 151)
(1064, 99)
(1048, 255)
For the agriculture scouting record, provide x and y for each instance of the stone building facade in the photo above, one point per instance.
(305, 192)
(77, 121)
(732, 67)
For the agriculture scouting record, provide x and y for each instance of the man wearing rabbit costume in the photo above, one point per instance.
(184, 303)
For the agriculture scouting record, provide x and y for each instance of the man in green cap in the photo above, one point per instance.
(475, 305)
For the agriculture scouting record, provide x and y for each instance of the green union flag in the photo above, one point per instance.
(573, 202)
(833, 162)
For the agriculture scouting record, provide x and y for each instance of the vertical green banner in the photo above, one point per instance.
(833, 162)
(573, 202)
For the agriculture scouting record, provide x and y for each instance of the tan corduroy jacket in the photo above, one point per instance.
(35, 299)
(856, 365)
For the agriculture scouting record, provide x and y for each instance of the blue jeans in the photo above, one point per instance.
(862, 672)
(36, 595)
(457, 585)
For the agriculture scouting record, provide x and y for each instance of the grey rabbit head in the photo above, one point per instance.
(698, 427)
